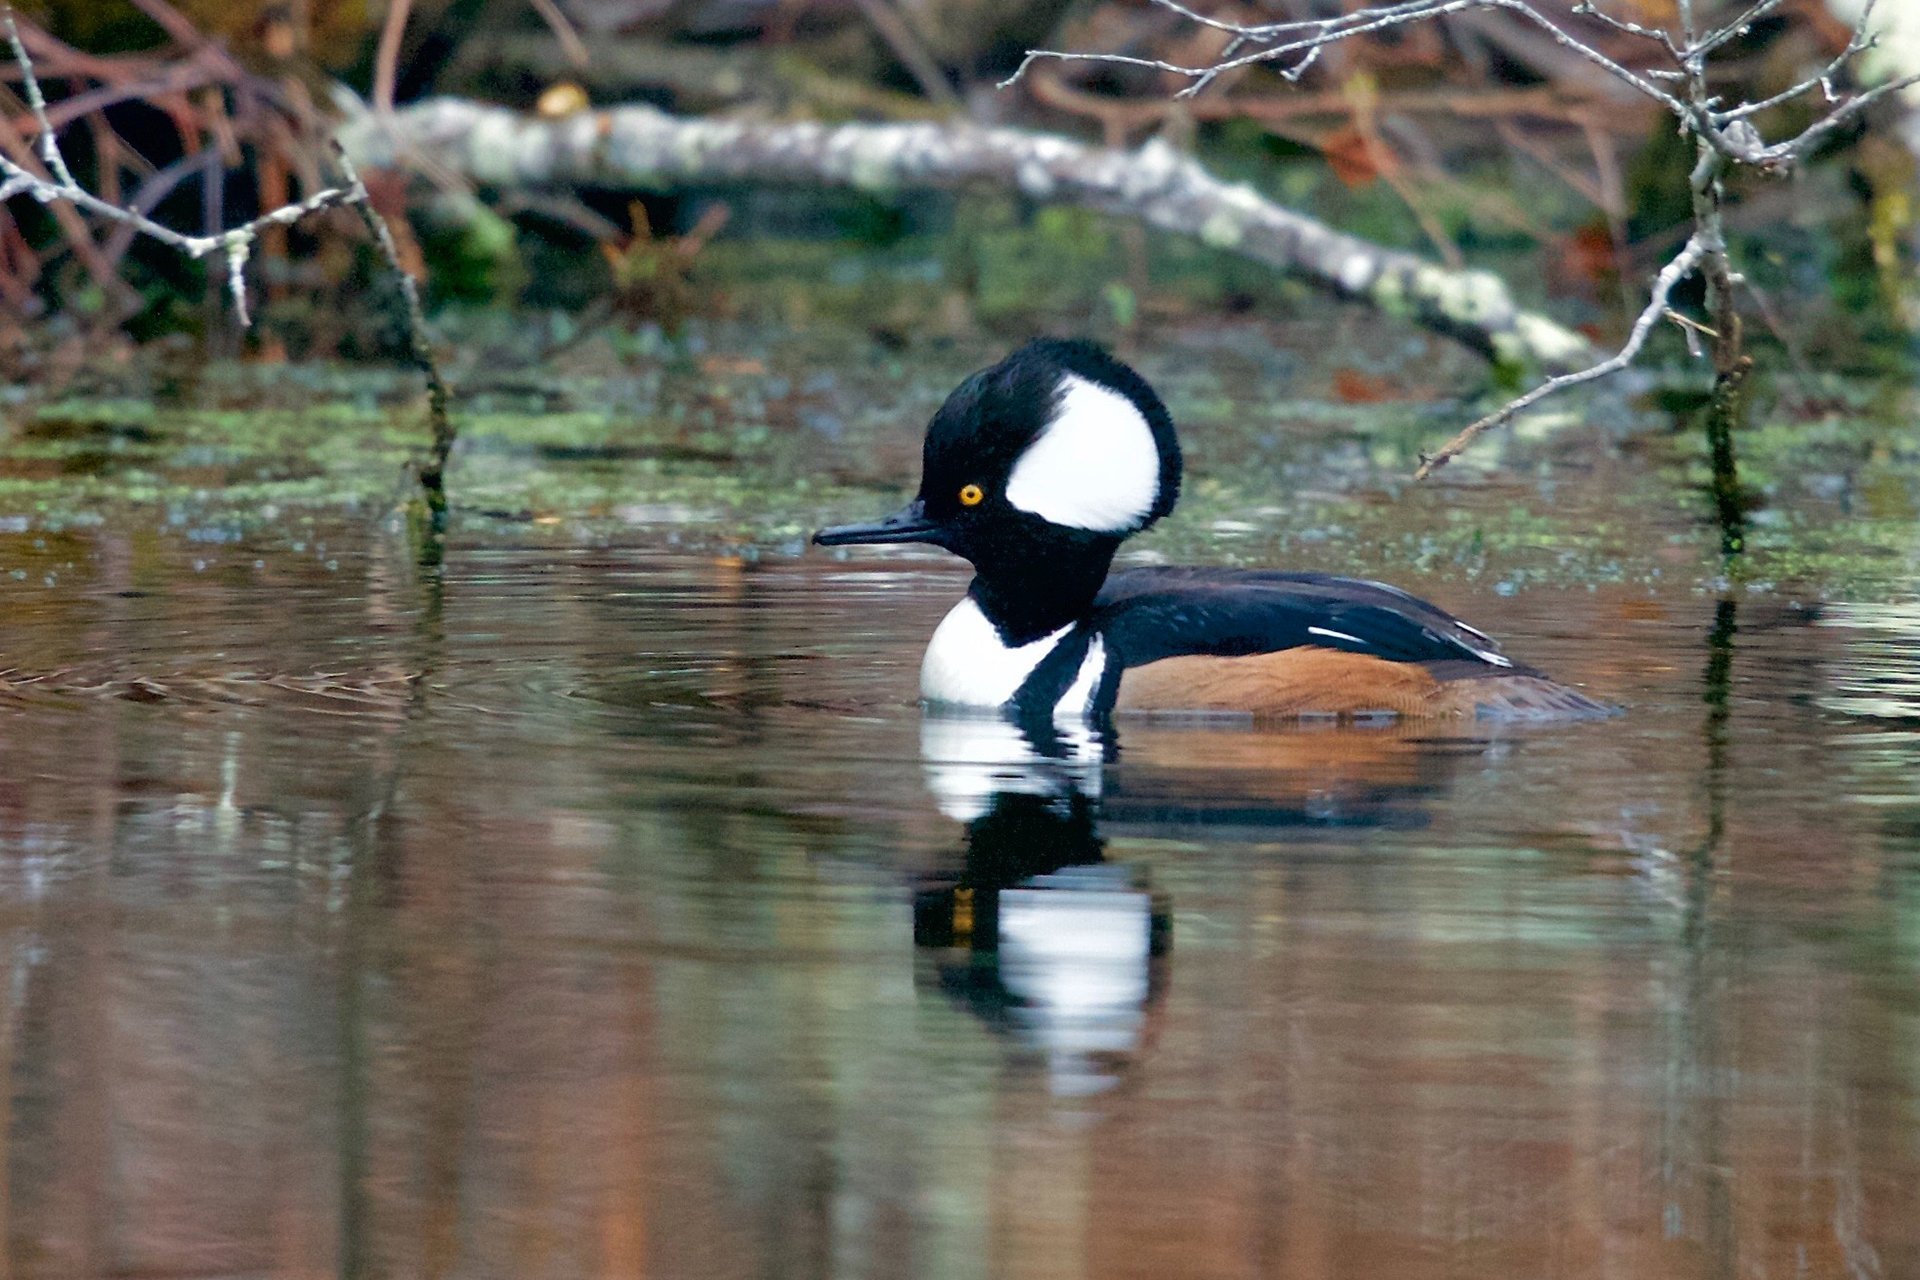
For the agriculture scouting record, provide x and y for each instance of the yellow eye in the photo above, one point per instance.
(971, 496)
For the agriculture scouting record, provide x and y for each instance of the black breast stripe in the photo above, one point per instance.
(1049, 681)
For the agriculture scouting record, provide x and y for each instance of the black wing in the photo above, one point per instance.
(1154, 613)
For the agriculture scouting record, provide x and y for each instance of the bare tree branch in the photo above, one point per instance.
(30, 85)
(235, 244)
(1722, 136)
(1785, 154)
(173, 22)
(1327, 31)
(1725, 131)
(1663, 286)
(1591, 10)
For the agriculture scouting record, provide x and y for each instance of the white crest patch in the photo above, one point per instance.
(968, 665)
(1094, 466)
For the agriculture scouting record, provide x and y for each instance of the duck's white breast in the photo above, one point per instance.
(968, 665)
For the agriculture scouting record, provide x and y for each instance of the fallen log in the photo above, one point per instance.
(679, 77)
(643, 149)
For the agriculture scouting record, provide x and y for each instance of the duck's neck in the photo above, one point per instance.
(1033, 596)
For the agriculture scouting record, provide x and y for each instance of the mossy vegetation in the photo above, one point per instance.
(749, 435)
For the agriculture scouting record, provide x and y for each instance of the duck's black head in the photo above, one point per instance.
(1036, 470)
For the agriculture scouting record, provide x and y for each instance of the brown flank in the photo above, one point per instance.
(1327, 682)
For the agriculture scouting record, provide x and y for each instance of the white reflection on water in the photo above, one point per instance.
(969, 759)
(1074, 950)
(1880, 675)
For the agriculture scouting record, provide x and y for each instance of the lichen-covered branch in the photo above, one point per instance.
(639, 148)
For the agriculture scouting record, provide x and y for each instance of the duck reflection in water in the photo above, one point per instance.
(1049, 941)
(1036, 931)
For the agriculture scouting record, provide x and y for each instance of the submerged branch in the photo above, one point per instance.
(433, 474)
(639, 148)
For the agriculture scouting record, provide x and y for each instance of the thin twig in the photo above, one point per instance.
(1275, 109)
(191, 245)
(1738, 27)
(176, 24)
(1727, 132)
(21, 179)
(906, 45)
(147, 198)
(30, 85)
(234, 244)
(1327, 31)
(178, 78)
(1857, 44)
(1684, 8)
(563, 30)
(386, 57)
(1663, 38)
(1785, 154)
(1663, 285)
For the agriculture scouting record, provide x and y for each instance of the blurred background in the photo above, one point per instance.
(1478, 141)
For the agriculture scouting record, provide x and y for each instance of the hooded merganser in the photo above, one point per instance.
(1037, 469)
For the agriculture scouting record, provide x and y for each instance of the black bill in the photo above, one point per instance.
(908, 524)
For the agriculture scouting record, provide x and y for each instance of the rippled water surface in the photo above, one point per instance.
(613, 913)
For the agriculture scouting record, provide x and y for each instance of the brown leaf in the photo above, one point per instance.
(1352, 157)
(1355, 387)
(1589, 256)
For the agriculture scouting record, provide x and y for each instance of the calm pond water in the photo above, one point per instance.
(614, 913)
